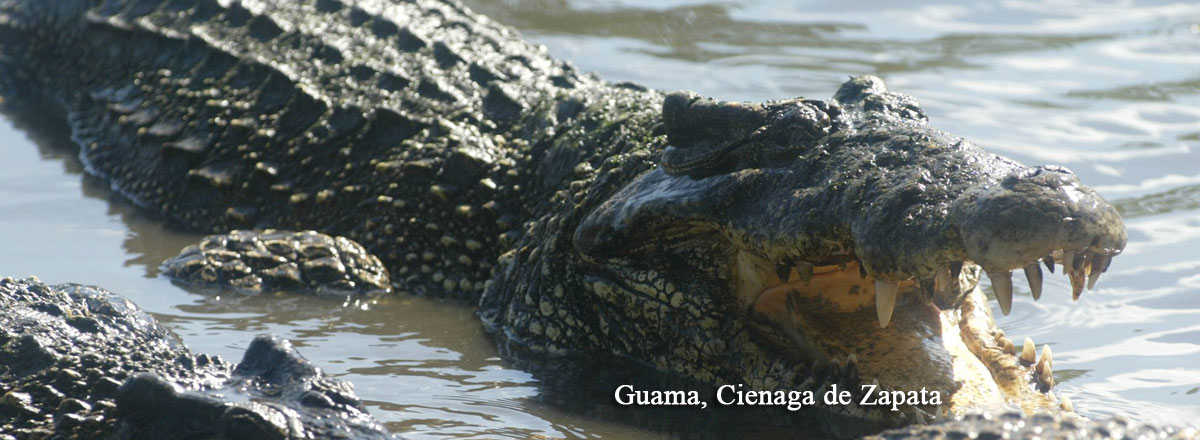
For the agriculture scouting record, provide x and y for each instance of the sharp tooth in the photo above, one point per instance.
(919, 417)
(941, 280)
(1005, 344)
(1080, 259)
(1002, 285)
(1045, 377)
(885, 301)
(1076, 284)
(1029, 352)
(1043, 369)
(1049, 260)
(1033, 274)
(850, 373)
(927, 287)
(862, 270)
(784, 271)
(1099, 264)
(1068, 261)
(805, 270)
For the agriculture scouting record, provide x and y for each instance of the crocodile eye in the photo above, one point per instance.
(707, 137)
(701, 132)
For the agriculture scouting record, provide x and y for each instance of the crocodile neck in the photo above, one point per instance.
(431, 135)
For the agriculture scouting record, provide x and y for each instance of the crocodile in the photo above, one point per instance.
(82, 362)
(795, 244)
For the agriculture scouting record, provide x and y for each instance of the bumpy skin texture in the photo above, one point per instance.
(270, 260)
(81, 362)
(416, 129)
(587, 217)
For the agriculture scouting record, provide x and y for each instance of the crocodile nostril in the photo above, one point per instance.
(1029, 175)
(1010, 181)
(1046, 176)
(1056, 169)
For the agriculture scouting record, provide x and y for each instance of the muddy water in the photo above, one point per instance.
(1110, 90)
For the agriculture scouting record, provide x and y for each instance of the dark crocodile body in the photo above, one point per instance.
(589, 219)
(80, 362)
(319, 115)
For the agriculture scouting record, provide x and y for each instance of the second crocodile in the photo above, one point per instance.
(81, 362)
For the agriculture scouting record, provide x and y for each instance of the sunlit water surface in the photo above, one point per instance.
(1110, 90)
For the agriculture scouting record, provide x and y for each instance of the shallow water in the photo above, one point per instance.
(1110, 90)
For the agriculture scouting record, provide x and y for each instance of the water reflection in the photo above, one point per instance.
(1162, 91)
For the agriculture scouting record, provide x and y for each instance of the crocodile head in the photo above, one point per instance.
(801, 242)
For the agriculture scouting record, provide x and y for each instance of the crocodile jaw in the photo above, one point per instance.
(958, 351)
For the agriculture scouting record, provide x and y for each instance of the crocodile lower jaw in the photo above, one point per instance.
(830, 317)
(1023, 377)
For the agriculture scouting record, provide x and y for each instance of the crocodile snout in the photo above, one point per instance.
(1041, 213)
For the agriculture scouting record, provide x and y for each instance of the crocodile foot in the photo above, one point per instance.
(253, 261)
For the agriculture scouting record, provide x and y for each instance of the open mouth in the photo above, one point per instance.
(867, 289)
(936, 334)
